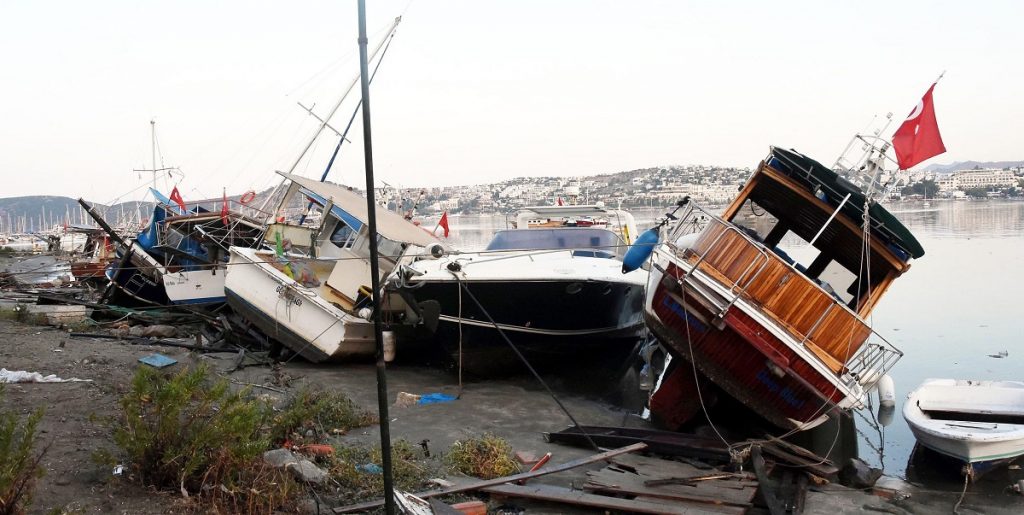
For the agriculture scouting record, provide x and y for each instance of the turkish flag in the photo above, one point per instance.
(918, 138)
(176, 197)
(443, 223)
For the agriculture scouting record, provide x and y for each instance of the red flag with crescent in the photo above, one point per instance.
(176, 197)
(918, 138)
(443, 223)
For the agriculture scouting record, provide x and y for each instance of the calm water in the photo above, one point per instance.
(957, 305)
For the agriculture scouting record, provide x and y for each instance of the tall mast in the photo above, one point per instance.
(327, 119)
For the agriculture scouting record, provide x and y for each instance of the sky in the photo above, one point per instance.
(476, 91)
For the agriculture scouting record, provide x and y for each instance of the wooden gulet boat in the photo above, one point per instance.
(768, 330)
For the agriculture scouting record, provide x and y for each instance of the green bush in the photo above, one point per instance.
(486, 457)
(181, 432)
(323, 412)
(19, 464)
(354, 470)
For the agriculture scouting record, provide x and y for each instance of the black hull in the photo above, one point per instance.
(548, 321)
(134, 284)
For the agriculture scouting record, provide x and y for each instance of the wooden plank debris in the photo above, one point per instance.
(708, 493)
(477, 485)
(796, 456)
(578, 498)
(662, 442)
(774, 504)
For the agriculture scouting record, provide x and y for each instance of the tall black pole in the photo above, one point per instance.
(371, 221)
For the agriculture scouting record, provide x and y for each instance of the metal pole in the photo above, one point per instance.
(371, 221)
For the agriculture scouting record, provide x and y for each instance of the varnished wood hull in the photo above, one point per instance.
(742, 358)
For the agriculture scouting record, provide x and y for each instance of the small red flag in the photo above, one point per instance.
(176, 197)
(224, 208)
(443, 223)
(918, 138)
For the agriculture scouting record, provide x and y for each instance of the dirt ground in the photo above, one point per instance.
(516, 408)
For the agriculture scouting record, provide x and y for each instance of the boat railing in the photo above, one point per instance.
(823, 325)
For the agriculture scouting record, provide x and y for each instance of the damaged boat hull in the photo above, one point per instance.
(292, 314)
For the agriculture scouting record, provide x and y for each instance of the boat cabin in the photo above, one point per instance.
(835, 269)
(337, 243)
(582, 241)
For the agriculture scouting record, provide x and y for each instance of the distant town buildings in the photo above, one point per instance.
(644, 187)
(964, 180)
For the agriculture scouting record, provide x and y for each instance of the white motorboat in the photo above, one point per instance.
(554, 285)
(311, 297)
(979, 423)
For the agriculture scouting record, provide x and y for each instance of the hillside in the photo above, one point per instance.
(968, 165)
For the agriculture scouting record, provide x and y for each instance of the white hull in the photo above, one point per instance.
(294, 315)
(197, 287)
(973, 440)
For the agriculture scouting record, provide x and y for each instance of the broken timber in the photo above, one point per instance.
(667, 443)
(507, 479)
(578, 498)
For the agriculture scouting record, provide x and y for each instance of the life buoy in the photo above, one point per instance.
(247, 197)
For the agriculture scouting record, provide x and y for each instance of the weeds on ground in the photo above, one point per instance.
(486, 457)
(19, 464)
(181, 432)
(322, 412)
(357, 470)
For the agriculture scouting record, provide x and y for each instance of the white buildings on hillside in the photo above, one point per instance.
(973, 179)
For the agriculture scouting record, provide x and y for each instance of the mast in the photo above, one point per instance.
(327, 119)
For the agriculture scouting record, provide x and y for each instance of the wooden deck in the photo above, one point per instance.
(808, 312)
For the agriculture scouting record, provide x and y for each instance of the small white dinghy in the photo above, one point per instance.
(980, 423)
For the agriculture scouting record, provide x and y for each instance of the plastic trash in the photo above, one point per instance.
(435, 398)
(370, 468)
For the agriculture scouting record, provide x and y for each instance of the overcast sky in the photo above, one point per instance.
(476, 91)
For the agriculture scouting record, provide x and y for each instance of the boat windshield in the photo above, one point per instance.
(599, 242)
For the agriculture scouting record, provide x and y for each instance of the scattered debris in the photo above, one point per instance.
(156, 360)
(21, 376)
(662, 442)
(858, 474)
(498, 481)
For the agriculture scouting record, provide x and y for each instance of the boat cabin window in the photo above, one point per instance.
(563, 238)
(343, 236)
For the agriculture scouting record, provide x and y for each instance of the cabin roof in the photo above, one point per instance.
(391, 225)
(815, 175)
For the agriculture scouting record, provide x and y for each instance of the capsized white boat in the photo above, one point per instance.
(310, 299)
(980, 423)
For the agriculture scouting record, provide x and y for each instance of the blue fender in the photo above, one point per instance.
(640, 250)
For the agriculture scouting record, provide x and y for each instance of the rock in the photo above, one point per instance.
(159, 331)
(308, 472)
(857, 474)
(310, 506)
(136, 331)
(405, 400)
(279, 458)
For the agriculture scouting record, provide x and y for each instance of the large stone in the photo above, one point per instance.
(160, 331)
(857, 474)
(308, 472)
(279, 458)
